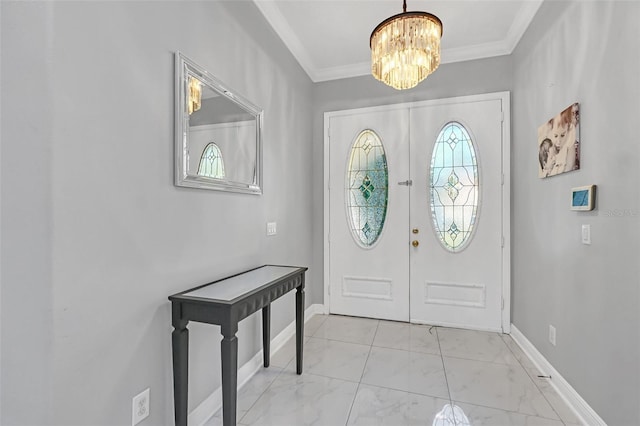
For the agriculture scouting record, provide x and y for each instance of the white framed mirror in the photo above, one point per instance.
(218, 133)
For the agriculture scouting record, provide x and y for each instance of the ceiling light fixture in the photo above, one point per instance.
(405, 48)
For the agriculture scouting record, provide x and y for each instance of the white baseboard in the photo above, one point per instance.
(203, 412)
(582, 410)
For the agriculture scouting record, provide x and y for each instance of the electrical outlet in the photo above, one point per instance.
(552, 335)
(271, 228)
(140, 407)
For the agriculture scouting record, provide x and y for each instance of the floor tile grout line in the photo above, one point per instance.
(319, 326)
(355, 395)
(444, 368)
(369, 353)
(364, 367)
(534, 381)
(520, 360)
(475, 404)
(403, 391)
(407, 391)
(559, 418)
(341, 341)
(282, 370)
(485, 361)
(491, 361)
(263, 392)
(332, 378)
(324, 322)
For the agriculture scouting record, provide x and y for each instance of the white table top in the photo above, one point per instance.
(231, 288)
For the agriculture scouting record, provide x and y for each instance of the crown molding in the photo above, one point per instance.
(346, 71)
(287, 35)
(479, 51)
(521, 23)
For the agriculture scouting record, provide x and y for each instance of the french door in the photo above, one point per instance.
(417, 212)
(370, 264)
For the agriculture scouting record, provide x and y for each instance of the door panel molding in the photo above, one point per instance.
(357, 287)
(455, 294)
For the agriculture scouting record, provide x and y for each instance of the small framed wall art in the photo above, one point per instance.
(559, 143)
(583, 198)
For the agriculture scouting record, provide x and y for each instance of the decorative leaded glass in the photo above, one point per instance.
(211, 162)
(454, 186)
(367, 186)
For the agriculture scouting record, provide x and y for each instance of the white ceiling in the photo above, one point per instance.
(330, 38)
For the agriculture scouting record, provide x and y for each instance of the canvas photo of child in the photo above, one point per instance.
(559, 143)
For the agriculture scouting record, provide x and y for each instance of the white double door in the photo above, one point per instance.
(407, 273)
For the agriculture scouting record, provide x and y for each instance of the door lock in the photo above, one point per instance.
(415, 243)
(415, 230)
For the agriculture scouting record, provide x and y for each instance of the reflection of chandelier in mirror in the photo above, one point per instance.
(405, 48)
(195, 95)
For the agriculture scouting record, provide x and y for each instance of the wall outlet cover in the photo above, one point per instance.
(271, 228)
(140, 407)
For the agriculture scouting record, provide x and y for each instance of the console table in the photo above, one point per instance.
(225, 303)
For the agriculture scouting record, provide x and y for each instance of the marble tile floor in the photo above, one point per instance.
(368, 372)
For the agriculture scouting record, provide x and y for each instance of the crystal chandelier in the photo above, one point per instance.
(405, 48)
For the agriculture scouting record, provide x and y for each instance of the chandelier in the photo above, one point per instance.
(195, 95)
(405, 48)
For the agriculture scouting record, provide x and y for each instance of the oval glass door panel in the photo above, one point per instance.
(367, 188)
(454, 187)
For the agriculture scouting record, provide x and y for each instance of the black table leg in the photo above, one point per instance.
(180, 346)
(299, 326)
(229, 349)
(266, 334)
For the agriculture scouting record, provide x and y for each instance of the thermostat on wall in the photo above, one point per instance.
(583, 198)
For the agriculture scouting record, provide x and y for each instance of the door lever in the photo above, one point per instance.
(407, 182)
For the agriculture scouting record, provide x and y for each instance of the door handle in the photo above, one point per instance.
(415, 243)
(407, 182)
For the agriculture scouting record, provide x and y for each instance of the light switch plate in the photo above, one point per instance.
(552, 335)
(586, 234)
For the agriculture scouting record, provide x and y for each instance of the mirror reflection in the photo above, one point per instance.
(218, 134)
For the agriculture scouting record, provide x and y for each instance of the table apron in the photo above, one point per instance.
(218, 314)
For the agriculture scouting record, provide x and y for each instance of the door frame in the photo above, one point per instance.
(505, 98)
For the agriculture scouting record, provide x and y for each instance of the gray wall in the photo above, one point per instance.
(449, 80)
(587, 52)
(94, 234)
